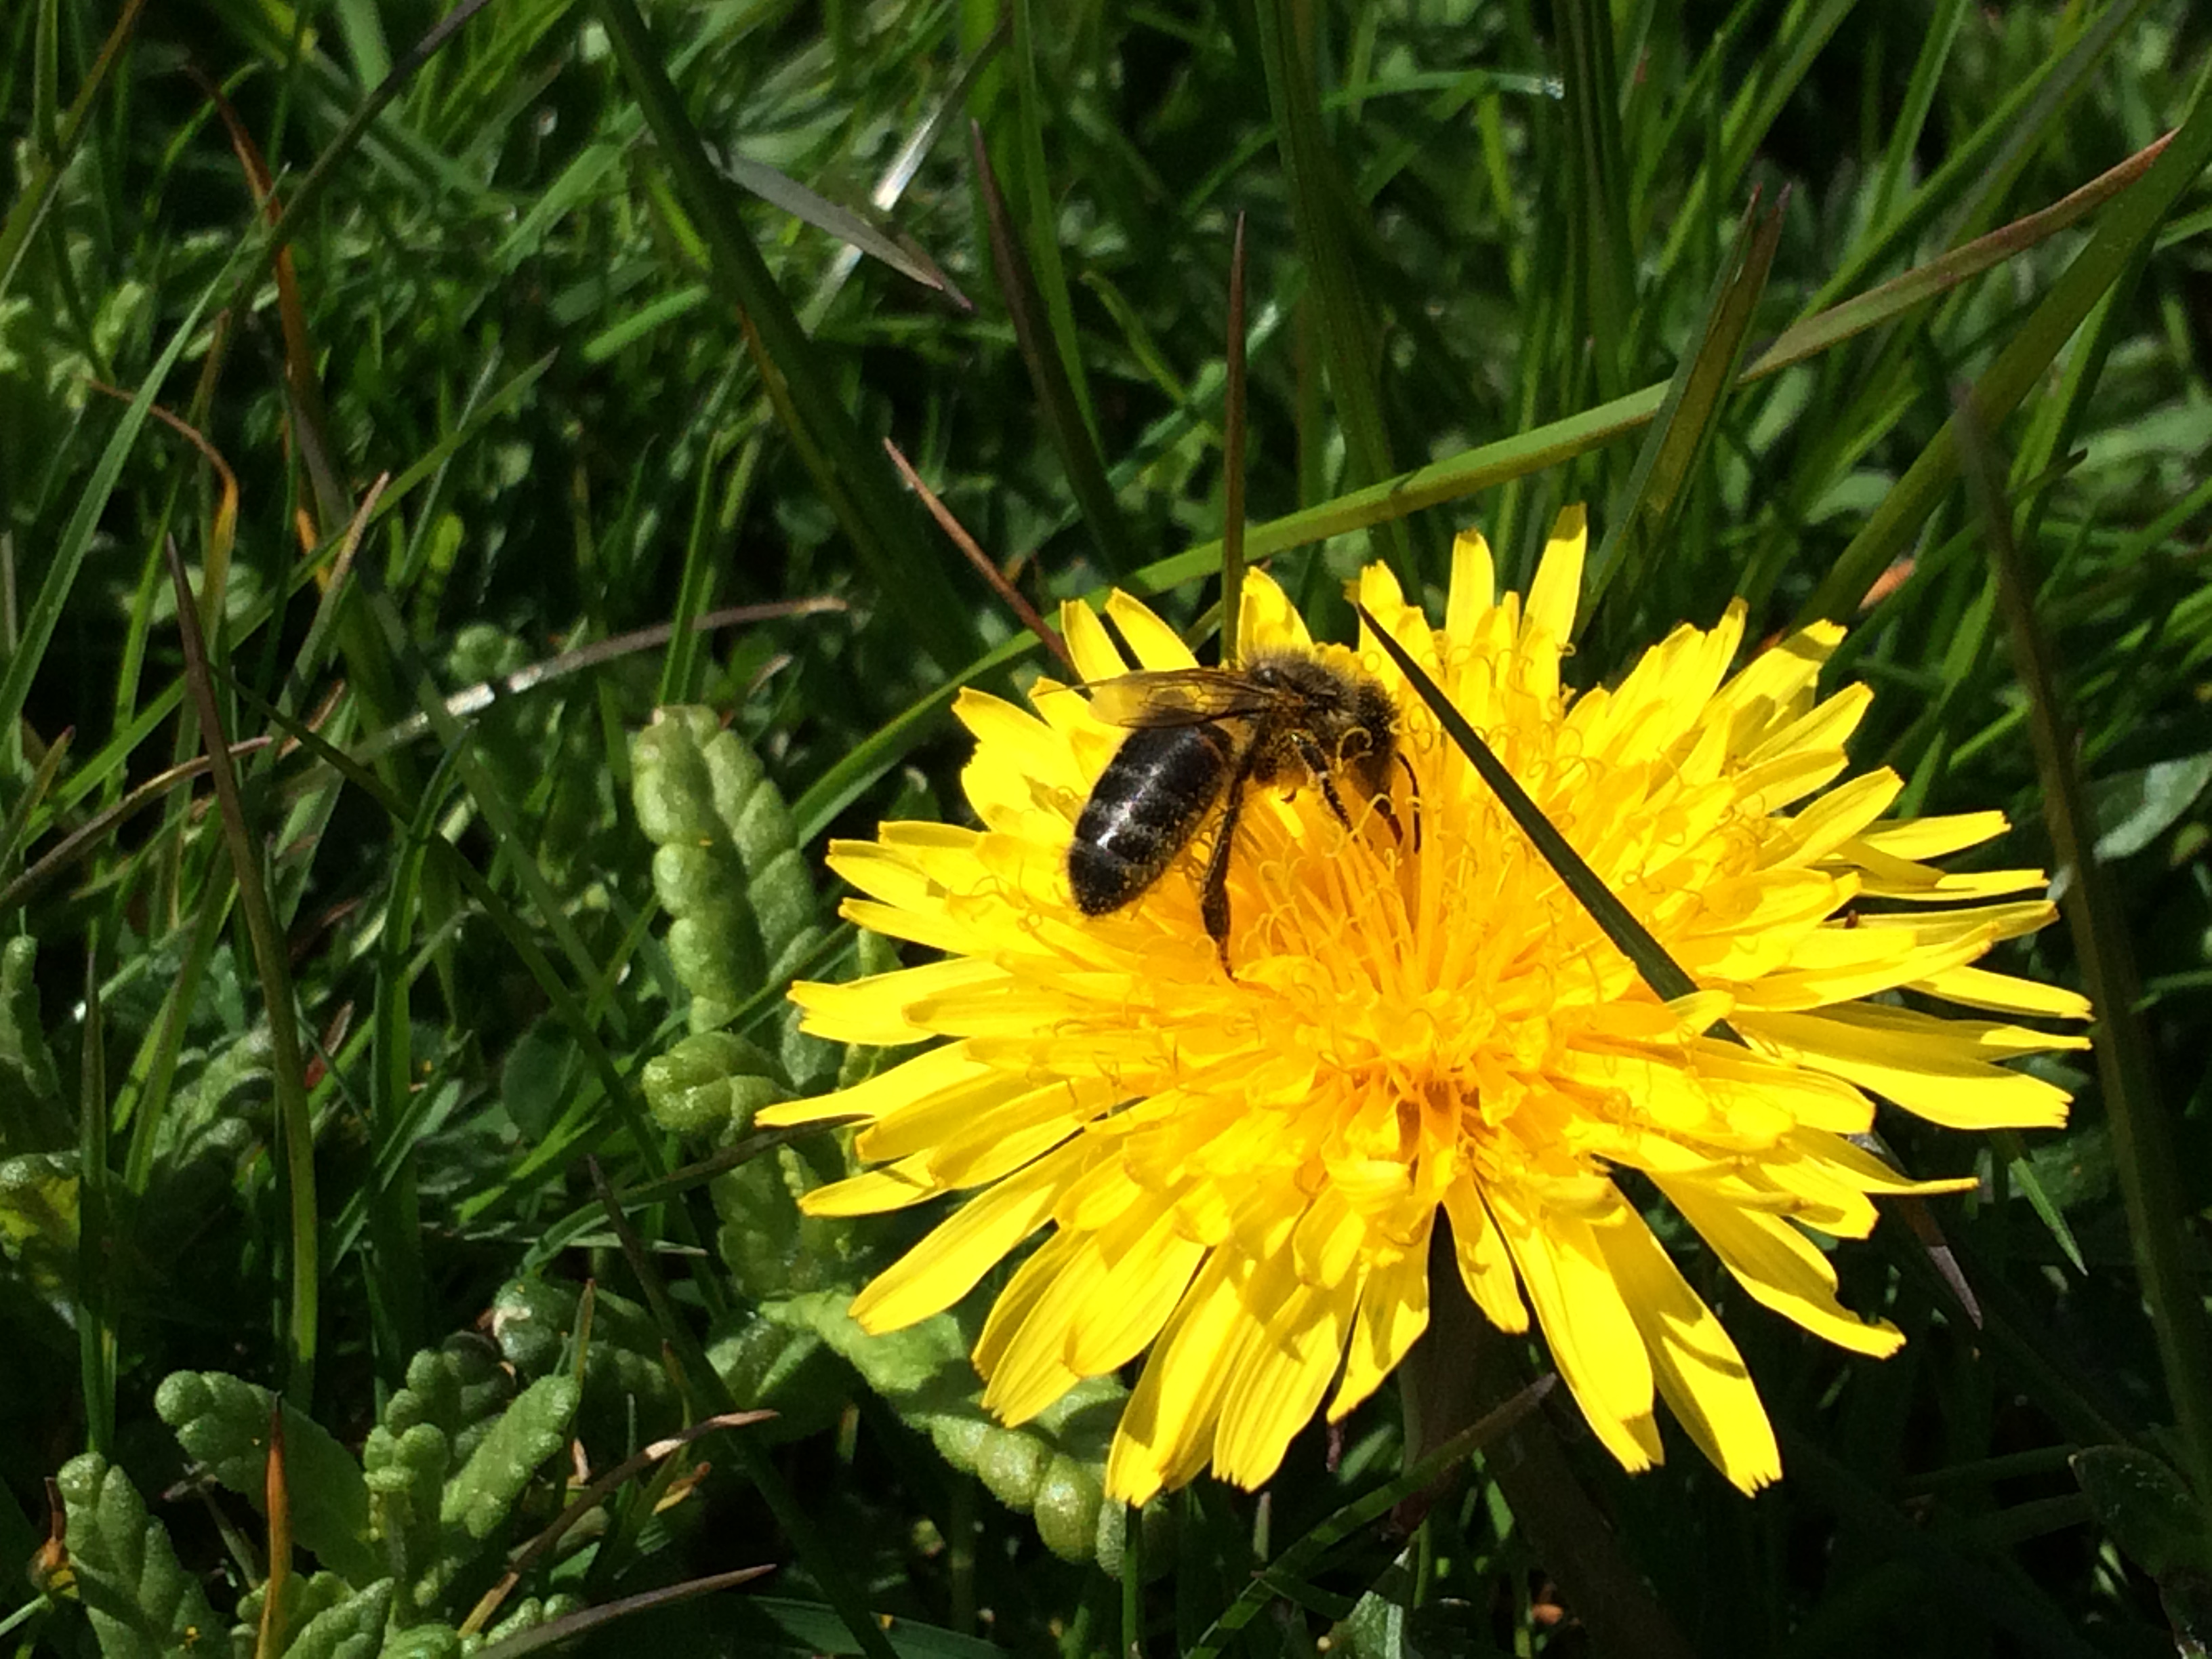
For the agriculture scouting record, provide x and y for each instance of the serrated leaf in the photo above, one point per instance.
(628, 1394)
(352, 1630)
(728, 866)
(478, 1500)
(140, 1600)
(223, 1421)
(1052, 1468)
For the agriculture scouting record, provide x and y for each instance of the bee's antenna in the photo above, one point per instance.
(1232, 458)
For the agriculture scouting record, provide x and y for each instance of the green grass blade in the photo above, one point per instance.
(1683, 428)
(99, 1249)
(1057, 400)
(1321, 202)
(852, 476)
(1555, 441)
(1972, 165)
(2128, 223)
(1598, 184)
(271, 961)
(43, 176)
(2143, 1144)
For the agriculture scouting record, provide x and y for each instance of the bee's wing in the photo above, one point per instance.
(1176, 696)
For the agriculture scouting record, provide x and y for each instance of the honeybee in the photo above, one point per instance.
(1200, 737)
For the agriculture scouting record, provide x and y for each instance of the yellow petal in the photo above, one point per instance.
(1928, 1066)
(1096, 656)
(1586, 1325)
(1157, 646)
(1486, 1266)
(945, 1266)
(1473, 586)
(1780, 1268)
(1700, 1374)
(1168, 1423)
(1279, 1377)
(1558, 589)
(1393, 1311)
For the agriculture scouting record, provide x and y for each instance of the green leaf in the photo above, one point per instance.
(628, 1397)
(478, 1500)
(1052, 1468)
(38, 1219)
(223, 1422)
(2144, 1505)
(143, 1604)
(32, 1114)
(710, 1084)
(728, 868)
(2134, 809)
(853, 475)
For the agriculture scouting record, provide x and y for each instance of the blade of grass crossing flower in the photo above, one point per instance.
(271, 961)
(2129, 222)
(1684, 428)
(1598, 184)
(1630, 937)
(1064, 419)
(1232, 455)
(1320, 200)
(855, 482)
(2143, 1148)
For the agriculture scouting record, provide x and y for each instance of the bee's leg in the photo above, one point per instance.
(1413, 788)
(1316, 763)
(1214, 887)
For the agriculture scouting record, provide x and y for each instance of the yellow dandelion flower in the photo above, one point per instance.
(1243, 1172)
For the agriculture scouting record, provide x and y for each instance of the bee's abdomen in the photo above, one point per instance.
(1145, 806)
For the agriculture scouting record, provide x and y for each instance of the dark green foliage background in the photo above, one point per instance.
(1474, 218)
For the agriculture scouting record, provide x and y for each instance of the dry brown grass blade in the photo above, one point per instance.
(222, 531)
(277, 1496)
(90, 834)
(310, 423)
(1012, 596)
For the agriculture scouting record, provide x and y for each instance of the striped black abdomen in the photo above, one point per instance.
(1146, 806)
